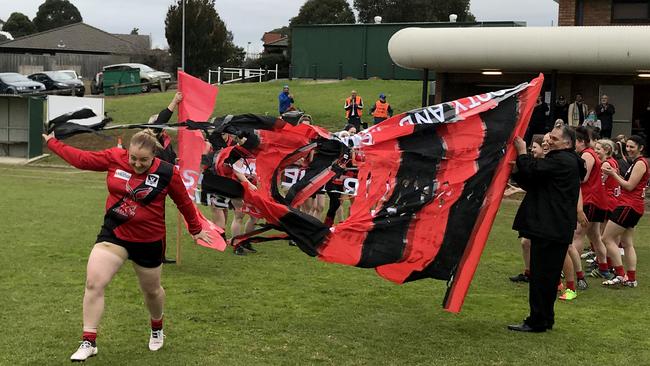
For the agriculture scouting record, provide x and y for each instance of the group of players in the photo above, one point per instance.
(243, 170)
(611, 205)
(139, 178)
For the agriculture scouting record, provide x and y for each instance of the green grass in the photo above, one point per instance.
(281, 307)
(322, 99)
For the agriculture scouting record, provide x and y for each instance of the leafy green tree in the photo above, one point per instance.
(135, 31)
(19, 25)
(56, 13)
(324, 12)
(401, 11)
(207, 41)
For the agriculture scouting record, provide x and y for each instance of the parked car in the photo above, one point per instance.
(72, 73)
(97, 84)
(57, 80)
(147, 75)
(15, 83)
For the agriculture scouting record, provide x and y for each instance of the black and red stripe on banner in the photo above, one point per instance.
(428, 190)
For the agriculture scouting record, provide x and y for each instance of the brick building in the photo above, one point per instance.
(600, 47)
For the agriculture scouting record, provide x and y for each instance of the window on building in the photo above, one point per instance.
(630, 11)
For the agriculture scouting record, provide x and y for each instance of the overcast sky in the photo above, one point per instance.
(249, 19)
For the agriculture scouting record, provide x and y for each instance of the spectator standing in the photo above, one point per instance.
(577, 112)
(354, 109)
(605, 113)
(285, 100)
(561, 110)
(382, 109)
(537, 125)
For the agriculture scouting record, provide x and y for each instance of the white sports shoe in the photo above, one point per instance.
(156, 340)
(84, 351)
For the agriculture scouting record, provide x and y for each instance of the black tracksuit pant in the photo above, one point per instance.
(546, 260)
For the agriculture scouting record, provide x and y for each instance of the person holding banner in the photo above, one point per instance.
(547, 216)
(133, 227)
(167, 152)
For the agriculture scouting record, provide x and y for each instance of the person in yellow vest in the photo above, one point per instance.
(381, 110)
(354, 109)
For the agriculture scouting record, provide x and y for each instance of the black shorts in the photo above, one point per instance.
(149, 255)
(625, 217)
(593, 213)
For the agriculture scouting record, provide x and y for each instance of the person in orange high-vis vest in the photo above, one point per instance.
(354, 109)
(381, 110)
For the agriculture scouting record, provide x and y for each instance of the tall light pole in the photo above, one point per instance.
(248, 51)
(183, 40)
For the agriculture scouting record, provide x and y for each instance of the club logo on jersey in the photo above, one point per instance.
(121, 174)
(152, 180)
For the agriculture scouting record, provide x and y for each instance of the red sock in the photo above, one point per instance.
(89, 336)
(157, 324)
(571, 285)
(580, 275)
(619, 271)
(603, 267)
(527, 272)
(631, 275)
(609, 262)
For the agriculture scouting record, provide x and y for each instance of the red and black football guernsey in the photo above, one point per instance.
(138, 200)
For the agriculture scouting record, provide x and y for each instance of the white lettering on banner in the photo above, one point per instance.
(190, 178)
(458, 106)
(350, 186)
(424, 116)
(484, 97)
(121, 174)
(474, 102)
(292, 176)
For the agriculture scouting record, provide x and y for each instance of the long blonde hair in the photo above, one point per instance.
(146, 139)
(608, 146)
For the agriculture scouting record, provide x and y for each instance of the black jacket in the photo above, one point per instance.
(167, 153)
(605, 114)
(552, 184)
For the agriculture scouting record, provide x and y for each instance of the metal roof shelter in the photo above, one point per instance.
(592, 60)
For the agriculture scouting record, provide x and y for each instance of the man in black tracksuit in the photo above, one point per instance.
(547, 216)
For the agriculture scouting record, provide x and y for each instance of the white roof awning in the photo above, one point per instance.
(608, 49)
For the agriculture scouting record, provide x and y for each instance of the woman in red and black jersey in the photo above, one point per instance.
(133, 228)
(627, 213)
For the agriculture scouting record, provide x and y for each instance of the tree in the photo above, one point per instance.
(135, 31)
(19, 25)
(324, 12)
(207, 41)
(56, 13)
(394, 11)
(284, 30)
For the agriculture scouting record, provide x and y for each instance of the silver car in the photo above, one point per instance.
(15, 83)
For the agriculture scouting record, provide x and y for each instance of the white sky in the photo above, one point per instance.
(249, 19)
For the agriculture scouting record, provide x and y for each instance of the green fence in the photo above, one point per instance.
(356, 50)
(21, 126)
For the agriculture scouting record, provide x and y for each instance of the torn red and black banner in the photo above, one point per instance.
(428, 192)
